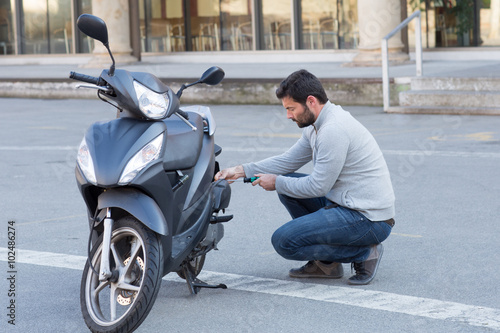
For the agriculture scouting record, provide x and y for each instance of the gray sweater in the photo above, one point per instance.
(349, 168)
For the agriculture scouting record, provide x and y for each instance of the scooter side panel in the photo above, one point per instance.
(203, 172)
(183, 145)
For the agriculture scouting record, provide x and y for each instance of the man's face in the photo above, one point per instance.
(298, 113)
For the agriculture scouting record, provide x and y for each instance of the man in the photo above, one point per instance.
(344, 209)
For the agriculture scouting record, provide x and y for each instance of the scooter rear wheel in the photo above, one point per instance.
(121, 303)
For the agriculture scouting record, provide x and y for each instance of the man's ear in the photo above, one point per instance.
(312, 100)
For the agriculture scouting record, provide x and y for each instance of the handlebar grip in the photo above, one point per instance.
(85, 78)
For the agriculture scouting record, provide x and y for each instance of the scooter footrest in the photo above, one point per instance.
(221, 219)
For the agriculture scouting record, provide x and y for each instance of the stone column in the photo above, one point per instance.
(376, 18)
(116, 15)
(494, 19)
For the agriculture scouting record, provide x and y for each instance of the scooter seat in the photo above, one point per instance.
(183, 145)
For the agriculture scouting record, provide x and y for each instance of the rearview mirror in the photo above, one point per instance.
(212, 76)
(94, 27)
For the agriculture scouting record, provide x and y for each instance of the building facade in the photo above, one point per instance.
(29, 27)
(42, 27)
(247, 25)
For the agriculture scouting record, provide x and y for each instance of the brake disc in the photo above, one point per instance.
(126, 297)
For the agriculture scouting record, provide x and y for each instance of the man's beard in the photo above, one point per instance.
(307, 118)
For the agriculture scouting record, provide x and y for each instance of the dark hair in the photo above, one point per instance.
(299, 85)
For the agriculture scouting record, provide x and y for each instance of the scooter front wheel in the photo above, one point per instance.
(122, 302)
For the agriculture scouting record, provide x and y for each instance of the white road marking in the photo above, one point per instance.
(53, 219)
(440, 153)
(254, 149)
(38, 148)
(352, 296)
(406, 235)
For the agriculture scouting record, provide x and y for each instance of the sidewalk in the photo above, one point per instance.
(324, 70)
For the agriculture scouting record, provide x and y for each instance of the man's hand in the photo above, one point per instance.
(266, 181)
(230, 173)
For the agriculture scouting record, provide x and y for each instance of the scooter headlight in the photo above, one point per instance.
(147, 154)
(152, 104)
(84, 160)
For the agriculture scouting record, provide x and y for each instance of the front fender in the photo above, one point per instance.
(138, 204)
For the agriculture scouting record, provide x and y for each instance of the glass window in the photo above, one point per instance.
(142, 24)
(455, 23)
(277, 24)
(60, 26)
(176, 32)
(36, 33)
(490, 23)
(329, 24)
(47, 27)
(236, 21)
(348, 24)
(205, 26)
(7, 45)
(85, 43)
(320, 24)
(162, 25)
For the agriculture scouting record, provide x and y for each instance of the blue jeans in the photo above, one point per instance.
(319, 231)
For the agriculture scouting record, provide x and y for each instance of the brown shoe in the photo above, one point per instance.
(366, 270)
(317, 269)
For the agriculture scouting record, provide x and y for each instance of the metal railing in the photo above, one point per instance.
(385, 55)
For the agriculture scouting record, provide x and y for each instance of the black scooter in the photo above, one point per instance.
(148, 182)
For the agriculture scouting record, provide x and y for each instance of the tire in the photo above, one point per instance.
(132, 294)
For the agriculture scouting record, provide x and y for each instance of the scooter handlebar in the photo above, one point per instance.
(184, 114)
(85, 78)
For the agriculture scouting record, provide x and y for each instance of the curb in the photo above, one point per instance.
(348, 91)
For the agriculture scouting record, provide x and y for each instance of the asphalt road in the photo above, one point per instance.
(439, 272)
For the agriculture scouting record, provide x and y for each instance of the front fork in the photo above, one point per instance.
(105, 271)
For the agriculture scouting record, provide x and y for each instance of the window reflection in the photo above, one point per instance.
(237, 30)
(455, 23)
(60, 27)
(175, 26)
(36, 34)
(329, 24)
(276, 24)
(205, 26)
(162, 25)
(348, 24)
(6, 28)
(320, 24)
(47, 27)
(85, 43)
(490, 23)
(214, 25)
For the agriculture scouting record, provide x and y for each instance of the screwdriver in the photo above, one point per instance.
(250, 179)
(245, 180)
